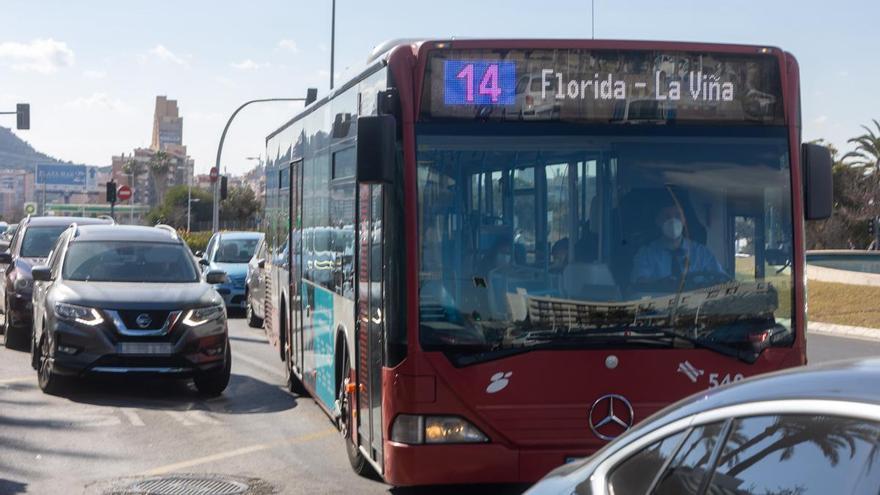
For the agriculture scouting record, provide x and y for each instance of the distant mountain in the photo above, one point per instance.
(16, 153)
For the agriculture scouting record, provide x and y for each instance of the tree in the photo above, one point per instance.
(240, 208)
(134, 168)
(160, 164)
(172, 211)
(867, 152)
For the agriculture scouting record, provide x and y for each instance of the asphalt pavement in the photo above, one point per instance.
(107, 436)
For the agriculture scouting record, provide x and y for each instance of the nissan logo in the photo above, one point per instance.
(610, 416)
(143, 320)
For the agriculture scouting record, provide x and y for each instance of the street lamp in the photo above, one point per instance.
(311, 95)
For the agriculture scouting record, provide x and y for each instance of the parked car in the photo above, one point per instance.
(31, 245)
(806, 430)
(255, 286)
(128, 300)
(230, 252)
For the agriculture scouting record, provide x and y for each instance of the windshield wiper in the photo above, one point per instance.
(654, 332)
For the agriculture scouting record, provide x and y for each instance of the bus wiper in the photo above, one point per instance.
(654, 332)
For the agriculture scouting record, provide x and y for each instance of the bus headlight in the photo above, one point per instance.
(416, 429)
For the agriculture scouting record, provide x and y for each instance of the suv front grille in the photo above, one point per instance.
(156, 319)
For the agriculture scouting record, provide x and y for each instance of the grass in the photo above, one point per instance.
(844, 304)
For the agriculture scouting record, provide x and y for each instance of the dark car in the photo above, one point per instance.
(807, 430)
(128, 300)
(255, 286)
(30, 246)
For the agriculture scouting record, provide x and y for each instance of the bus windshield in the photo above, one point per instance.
(602, 235)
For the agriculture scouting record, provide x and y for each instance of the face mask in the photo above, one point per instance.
(672, 228)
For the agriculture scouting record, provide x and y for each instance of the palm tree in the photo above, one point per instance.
(867, 152)
(133, 168)
(160, 164)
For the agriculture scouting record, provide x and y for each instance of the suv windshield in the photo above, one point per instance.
(559, 238)
(38, 241)
(125, 261)
(236, 250)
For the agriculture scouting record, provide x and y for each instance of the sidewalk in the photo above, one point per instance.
(844, 331)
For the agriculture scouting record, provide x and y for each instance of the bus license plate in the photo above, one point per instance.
(151, 348)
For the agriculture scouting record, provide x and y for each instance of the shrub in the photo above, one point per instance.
(197, 241)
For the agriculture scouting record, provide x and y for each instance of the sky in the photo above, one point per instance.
(92, 70)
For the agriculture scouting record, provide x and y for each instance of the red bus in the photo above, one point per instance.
(488, 257)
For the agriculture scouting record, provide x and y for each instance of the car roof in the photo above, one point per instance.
(239, 235)
(134, 233)
(56, 221)
(851, 381)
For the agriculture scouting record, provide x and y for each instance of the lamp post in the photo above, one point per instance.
(216, 215)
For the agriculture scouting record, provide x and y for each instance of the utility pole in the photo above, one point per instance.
(332, 39)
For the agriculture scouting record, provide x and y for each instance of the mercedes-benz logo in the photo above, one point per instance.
(143, 320)
(610, 416)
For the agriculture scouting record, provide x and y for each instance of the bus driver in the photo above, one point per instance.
(670, 255)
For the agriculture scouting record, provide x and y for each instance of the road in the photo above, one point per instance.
(107, 434)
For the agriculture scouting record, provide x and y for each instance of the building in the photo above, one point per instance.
(167, 125)
(16, 188)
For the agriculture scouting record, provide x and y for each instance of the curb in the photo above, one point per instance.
(844, 331)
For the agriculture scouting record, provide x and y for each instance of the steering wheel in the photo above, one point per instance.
(706, 279)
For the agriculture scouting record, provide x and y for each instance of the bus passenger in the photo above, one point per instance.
(665, 257)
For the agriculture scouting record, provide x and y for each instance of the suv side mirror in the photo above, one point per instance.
(376, 144)
(818, 181)
(199, 254)
(261, 263)
(215, 277)
(41, 273)
(5, 257)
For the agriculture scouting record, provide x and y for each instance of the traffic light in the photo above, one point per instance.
(23, 116)
(223, 187)
(111, 192)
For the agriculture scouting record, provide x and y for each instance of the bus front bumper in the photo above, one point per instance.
(409, 465)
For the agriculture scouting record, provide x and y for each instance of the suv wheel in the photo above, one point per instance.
(47, 379)
(11, 340)
(213, 383)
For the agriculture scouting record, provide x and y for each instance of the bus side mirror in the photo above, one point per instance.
(376, 143)
(818, 181)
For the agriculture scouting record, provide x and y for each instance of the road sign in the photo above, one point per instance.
(123, 193)
(30, 208)
(215, 173)
(59, 177)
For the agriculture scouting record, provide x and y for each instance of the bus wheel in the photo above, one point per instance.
(355, 457)
(294, 384)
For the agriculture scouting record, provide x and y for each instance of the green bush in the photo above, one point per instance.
(197, 241)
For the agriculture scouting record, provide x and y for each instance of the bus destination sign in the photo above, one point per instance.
(607, 86)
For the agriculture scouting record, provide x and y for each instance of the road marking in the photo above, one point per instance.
(180, 418)
(16, 379)
(258, 364)
(238, 452)
(133, 417)
(201, 417)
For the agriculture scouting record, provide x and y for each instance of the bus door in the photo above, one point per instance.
(369, 342)
(295, 249)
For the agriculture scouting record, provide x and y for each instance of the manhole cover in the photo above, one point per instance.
(191, 484)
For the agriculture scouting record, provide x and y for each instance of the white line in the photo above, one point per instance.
(133, 417)
(180, 418)
(257, 364)
(201, 417)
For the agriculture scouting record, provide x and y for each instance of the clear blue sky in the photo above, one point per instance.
(91, 70)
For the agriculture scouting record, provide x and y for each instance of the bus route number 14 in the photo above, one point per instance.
(489, 85)
(480, 82)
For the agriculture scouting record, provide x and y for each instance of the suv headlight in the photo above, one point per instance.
(23, 285)
(79, 314)
(417, 429)
(199, 316)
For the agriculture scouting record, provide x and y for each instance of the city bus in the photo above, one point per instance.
(490, 257)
